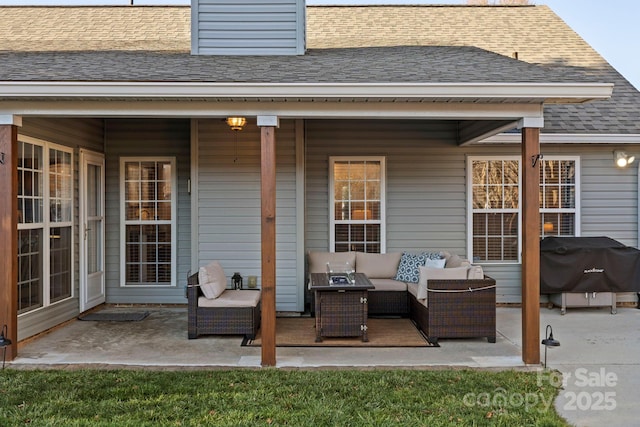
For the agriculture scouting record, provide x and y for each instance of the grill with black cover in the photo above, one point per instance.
(588, 264)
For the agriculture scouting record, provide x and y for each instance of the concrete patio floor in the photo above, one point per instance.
(598, 355)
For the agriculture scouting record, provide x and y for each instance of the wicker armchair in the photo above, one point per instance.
(457, 309)
(231, 320)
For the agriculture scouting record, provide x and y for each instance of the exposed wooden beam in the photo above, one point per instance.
(268, 246)
(9, 235)
(531, 246)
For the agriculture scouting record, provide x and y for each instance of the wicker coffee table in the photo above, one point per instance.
(341, 310)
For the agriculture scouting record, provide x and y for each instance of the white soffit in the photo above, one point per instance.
(522, 92)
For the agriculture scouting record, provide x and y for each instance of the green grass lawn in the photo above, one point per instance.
(275, 397)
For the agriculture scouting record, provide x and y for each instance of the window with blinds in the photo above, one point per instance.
(357, 204)
(148, 211)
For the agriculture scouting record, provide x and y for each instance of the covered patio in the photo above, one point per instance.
(477, 111)
(587, 337)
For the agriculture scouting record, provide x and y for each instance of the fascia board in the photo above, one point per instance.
(543, 92)
(566, 138)
(301, 109)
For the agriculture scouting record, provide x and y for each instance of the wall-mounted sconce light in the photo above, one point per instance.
(622, 159)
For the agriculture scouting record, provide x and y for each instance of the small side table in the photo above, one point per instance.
(341, 310)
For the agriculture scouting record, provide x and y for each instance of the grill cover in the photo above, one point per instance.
(588, 264)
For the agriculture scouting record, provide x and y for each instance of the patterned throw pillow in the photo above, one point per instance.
(408, 270)
(432, 255)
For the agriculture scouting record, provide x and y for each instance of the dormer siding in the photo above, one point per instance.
(247, 27)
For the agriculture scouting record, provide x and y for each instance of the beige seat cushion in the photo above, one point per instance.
(388, 285)
(427, 273)
(212, 280)
(232, 298)
(318, 260)
(378, 266)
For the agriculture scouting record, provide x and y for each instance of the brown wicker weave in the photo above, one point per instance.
(341, 311)
(219, 320)
(384, 303)
(466, 309)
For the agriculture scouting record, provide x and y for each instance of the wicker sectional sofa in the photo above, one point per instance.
(453, 308)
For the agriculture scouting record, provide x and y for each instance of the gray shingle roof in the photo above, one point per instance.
(346, 44)
(537, 34)
(437, 64)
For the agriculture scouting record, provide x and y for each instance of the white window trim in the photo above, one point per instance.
(383, 197)
(46, 225)
(174, 220)
(470, 210)
(578, 210)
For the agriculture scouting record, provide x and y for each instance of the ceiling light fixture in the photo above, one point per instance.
(236, 123)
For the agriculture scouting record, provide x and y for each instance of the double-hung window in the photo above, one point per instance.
(495, 217)
(45, 205)
(494, 200)
(148, 218)
(559, 189)
(357, 204)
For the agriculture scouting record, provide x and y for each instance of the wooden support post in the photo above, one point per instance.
(9, 235)
(268, 226)
(531, 245)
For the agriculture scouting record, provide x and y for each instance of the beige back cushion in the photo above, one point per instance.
(475, 272)
(454, 260)
(318, 260)
(378, 266)
(212, 280)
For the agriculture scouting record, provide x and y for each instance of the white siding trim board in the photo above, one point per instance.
(193, 183)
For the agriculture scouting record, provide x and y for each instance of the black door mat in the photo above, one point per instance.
(116, 317)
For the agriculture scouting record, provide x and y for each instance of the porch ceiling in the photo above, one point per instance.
(482, 109)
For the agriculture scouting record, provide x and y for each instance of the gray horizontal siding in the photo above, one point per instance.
(146, 137)
(426, 188)
(248, 27)
(79, 134)
(425, 180)
(229, 204)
